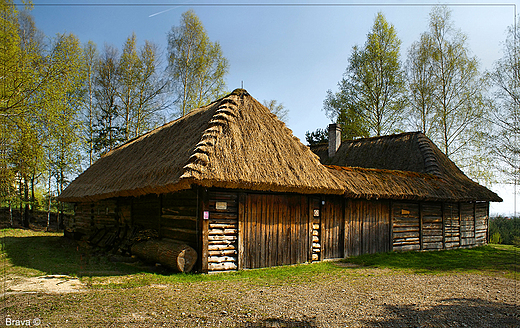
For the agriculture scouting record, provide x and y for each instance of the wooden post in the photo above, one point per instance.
(487, 223)
(203, 214)
(310, 216)
(475, 221)
(241, 228)
(443, 220)
(391, 225)
(460, 222)
(421, 226)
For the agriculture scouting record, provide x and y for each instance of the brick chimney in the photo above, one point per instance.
(334, 138)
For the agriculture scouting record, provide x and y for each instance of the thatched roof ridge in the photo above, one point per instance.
(234, 142)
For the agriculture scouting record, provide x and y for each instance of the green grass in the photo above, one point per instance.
(504, 259)
(34, 253)
(31, 253)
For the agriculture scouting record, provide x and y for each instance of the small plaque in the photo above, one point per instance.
(206, 215)
(221, 205)
(403, 211)
(316, 212)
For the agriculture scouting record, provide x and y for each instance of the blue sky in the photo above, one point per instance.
(292, 53)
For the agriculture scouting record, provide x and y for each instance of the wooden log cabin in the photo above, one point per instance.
(230, 180)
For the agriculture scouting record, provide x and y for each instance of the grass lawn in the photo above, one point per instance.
(488, 259)
(33, 253)
(378, 290)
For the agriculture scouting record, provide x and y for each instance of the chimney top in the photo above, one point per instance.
(334, 138)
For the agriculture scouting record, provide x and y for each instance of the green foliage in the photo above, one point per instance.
(446, 95)
(371, 98)
(320, 136)
(196, 65)
(495, 238)
(507, 108)
(507, 229)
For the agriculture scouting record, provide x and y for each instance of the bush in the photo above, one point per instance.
(504, 230)
(495, 238)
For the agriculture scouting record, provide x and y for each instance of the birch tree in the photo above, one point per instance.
(196, 65)
(91, 60)
(505, 76)
(371, 96)
(447, 94)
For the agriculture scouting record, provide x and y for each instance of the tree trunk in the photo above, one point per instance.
(26, 207)
(60, 215)
(11, 214)
(172, 254)
(49, 195)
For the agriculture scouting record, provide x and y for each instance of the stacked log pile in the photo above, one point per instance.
(223, 232)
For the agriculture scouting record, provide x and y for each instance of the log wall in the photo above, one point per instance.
(178, 219)
(467, 224)
(406, 226)
(146, 211)
(482, 220)
(367, 227)
(436, 225)
(254, 230)
(431, 221)
(452, 225)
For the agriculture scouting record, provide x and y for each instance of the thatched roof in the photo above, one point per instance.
(402, 166)
(237, 143)
(234, 142)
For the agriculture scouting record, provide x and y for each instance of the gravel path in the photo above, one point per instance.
(368, 298)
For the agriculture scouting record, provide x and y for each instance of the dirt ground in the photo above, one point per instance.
(43, 284)
(359, 298)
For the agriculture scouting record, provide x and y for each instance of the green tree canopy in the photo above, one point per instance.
(446, 94)
(196, 65)
(505, 77)
(371, 98)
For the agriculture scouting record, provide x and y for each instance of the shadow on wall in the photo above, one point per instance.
(455, 312)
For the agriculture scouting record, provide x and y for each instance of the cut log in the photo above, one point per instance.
(172, 254)
(219, 237)
(221, 259)
(222, 231)
(222, 226)
(223, 252)
(222, 266)
(213, 247)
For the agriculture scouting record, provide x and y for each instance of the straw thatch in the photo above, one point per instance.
(234, 142)
(237, 143)
(401, 166)
(391, 184)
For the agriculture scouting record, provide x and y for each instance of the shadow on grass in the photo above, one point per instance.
(36, 255)
(483, 258)
(450, 313)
